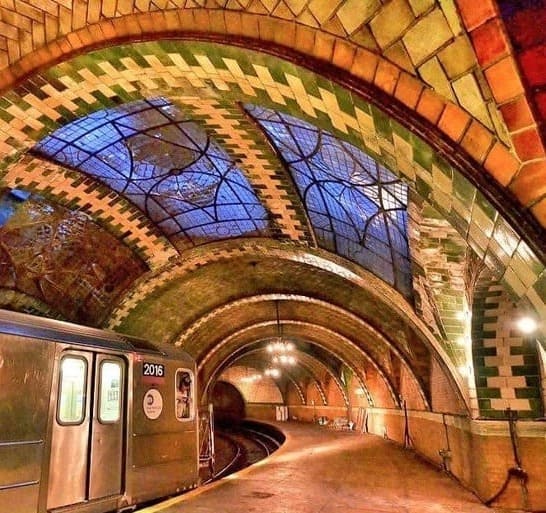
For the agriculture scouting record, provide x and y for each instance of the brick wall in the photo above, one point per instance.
(481, 451)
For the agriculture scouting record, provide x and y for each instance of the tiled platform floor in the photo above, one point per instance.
(324, 471)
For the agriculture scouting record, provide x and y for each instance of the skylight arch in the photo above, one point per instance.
(167, 166)
(357, 207)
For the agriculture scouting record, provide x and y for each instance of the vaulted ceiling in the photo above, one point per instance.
(188, 170)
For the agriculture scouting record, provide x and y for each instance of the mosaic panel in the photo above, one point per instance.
(62, 258)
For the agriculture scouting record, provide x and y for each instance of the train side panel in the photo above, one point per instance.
(26, 372)
(163, 452)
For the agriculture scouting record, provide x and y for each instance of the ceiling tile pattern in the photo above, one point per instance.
(357, 208)
(105, 78)
(398, 29)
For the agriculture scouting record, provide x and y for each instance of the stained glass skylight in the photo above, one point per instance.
(356, 206)
(164, 163)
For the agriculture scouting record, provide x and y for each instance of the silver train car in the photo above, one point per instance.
(92, 421)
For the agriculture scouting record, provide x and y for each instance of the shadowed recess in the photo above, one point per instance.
(62, 258)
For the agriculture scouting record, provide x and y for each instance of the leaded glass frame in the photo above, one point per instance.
(357, 207)
(165, 164)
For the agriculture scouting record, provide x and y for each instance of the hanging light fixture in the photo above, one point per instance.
(280, 347)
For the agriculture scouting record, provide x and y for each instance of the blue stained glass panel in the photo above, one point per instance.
(166, 165)
(357, 207)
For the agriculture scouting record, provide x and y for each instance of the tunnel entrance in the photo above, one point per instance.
(229, 405)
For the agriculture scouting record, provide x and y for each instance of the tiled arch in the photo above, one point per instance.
(277, 32)
(98, 79)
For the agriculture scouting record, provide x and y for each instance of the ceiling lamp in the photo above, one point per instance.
(279, 346)
(274, 373)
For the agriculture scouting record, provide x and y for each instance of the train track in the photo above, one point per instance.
(242, 447)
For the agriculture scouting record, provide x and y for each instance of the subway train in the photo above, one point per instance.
(90, 420)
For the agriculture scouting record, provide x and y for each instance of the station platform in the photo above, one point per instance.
(326, 471)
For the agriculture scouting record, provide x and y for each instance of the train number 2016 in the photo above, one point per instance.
(153, 369)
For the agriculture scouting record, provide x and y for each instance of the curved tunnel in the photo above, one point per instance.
(228, 176)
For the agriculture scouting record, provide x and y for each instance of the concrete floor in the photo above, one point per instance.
(325, 471)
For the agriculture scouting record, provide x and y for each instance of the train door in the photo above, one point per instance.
(88, 429)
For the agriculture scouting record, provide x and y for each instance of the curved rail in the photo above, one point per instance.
(249, 444)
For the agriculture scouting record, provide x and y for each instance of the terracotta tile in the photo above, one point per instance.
(285, 34)
(530, 183)
(172, 21)
(108, 29)
(218, 22)
(490, 42)
(517, 114)
(324, 47)
(431, 105)
(344, 54)
(539, 211)
(501, 164)
(526, 26)
(267, 28)
(201, 19)
(387, 76)
(365, 65)
(533, 64)
(476, 13)
(86, 37)
(454, 121)
(528, 144)
(7, 79)
(233, 21)
(305, 38)
(504, 80)
(408, 90)
(477, 140)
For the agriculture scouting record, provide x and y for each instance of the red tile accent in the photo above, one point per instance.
(476, 12)
(408, 90)
(344, 54)
(526, 27)
(386, 77)
(305, 38)
(431, 105)
(490, 42)
(324, 46)
(540, 100)
(530, 183)
(533, 64)
(477, 140)
(365, 65)
(517, 114)
(504, 80)
(501, 164)
(528, 144)
(454, 121)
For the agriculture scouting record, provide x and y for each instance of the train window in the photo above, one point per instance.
(184, 394)
(71, 401)
(110, 392)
